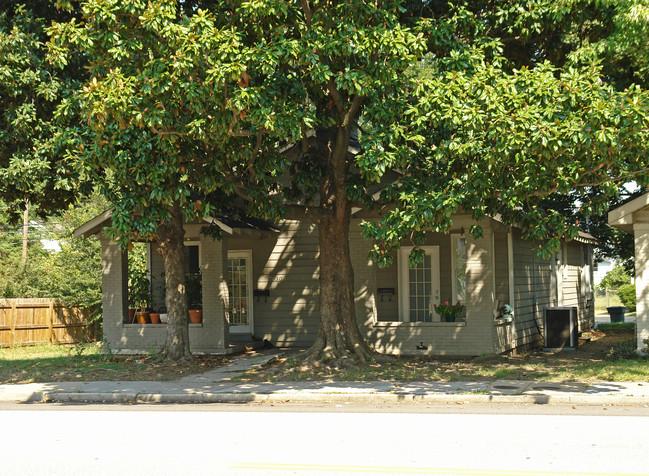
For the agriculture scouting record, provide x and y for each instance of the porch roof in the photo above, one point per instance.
(227, 224)
(624, 216)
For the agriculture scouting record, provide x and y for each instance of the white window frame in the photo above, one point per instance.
(510, 270)
(404, 294)
(454, 238)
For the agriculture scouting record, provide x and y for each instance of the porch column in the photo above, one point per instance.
(114, 286)
(215, 335)
(641, 232)
(480, 290)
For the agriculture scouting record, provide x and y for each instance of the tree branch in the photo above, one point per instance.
(335, 94)
(255, 152)
(243, 132)
(350, 115)
(306, 8)
(576, 184)
(168, 133)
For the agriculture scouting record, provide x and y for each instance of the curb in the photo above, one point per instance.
(341, 398)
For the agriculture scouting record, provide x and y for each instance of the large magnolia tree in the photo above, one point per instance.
(262, 100)
(155, 128)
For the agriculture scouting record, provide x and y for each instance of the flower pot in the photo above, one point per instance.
(155, 317)
(141, 317)
(196, 316)
(450, 318)
(131, 316)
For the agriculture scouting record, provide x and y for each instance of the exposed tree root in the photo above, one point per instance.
(333, 357)
(176, 354)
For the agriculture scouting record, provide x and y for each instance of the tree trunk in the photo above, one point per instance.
(339, 339)
(170, 246)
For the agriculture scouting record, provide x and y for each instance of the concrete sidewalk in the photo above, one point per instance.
(216, 386)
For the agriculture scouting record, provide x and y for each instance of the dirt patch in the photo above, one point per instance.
(604, 356)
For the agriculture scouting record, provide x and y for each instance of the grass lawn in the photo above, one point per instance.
(57, 363)
(609, 356)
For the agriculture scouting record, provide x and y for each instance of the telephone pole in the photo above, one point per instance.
(25, 230)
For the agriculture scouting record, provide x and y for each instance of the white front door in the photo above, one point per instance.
(419, 286)
(239, 275)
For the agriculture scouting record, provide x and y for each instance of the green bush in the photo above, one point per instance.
(72, 275)
(615, 278)
(626, 293)
(617, 327)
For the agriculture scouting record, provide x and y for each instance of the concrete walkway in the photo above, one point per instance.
(216, 386)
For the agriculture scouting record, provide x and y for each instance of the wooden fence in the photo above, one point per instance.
(36, 321)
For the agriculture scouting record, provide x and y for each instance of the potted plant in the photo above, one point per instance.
(449, 312)
(505, 311)
(194, 287)
(139, 295)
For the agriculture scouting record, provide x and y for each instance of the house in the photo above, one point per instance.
(263, 282)
(633, 217)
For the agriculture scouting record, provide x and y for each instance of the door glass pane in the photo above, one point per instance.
(238, 307)
(419, 287)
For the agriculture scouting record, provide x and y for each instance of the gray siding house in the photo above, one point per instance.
(264, 283)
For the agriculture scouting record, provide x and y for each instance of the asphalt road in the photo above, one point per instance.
(214, 439)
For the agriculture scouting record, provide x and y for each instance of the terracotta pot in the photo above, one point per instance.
(196, 316)
(131, 316)
(142, 317)
(155, 317)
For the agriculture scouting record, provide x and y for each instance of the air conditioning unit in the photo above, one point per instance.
(560, 324)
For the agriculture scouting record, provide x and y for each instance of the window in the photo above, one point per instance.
(419, 285)
(458, 267)
(193, 277)
(192, 258)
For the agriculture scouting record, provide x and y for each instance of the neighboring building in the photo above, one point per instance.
(262, 281)
(633, 217)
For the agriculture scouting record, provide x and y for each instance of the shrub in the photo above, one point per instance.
(617, 327)
(626, 293)
(615, 278)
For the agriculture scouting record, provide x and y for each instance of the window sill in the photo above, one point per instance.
(419, 324)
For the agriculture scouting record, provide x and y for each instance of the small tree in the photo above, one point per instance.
(626, 292)
(615, 278)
